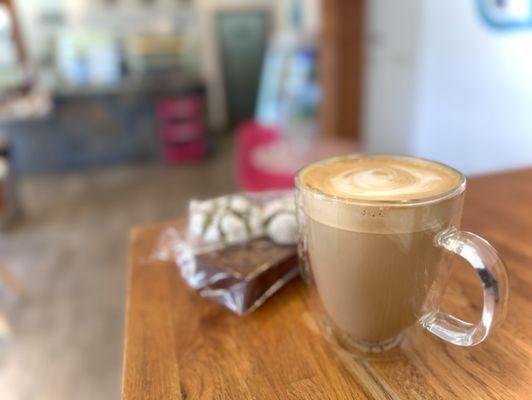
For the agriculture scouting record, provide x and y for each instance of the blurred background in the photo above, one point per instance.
(115, 113)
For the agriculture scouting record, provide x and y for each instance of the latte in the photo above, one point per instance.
(369, 227)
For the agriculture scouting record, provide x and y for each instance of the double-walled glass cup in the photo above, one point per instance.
(377, 267)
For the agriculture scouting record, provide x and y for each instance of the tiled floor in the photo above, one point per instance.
(71, 251)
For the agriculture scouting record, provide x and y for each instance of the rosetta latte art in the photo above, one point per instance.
(381, 178)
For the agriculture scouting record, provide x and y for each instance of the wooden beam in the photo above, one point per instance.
(341, 68)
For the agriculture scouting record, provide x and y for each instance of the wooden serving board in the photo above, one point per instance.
(180, 346)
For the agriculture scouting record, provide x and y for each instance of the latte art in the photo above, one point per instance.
(381, 178)
(383, 181)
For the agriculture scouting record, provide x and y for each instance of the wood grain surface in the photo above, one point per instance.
(179, 346)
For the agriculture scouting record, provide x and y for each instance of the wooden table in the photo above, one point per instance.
(180, 346)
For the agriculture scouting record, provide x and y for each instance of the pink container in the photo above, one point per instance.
(251, 135)
(186, 131)
(185, 152)
(180, 108)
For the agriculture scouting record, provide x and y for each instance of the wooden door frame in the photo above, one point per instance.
(341, 68)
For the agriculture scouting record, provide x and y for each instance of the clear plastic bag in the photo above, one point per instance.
(237, 250)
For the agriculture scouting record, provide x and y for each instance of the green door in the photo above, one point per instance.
(242, 36)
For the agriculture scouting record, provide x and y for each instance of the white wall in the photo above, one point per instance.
(392, 36)
(35, 36)
(465, 93)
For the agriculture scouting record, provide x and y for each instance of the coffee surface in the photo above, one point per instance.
(380, 178)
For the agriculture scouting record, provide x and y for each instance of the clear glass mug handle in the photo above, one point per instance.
(492, 273)
(304, 267)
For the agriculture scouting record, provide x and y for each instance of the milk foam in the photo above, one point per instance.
(380, 178)
(380, 194)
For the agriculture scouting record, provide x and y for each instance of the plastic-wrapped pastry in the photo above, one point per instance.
(282, 228)
(239, 218)
(280, 220)
(237, 250)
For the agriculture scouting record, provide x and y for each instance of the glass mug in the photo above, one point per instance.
(376, 267)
